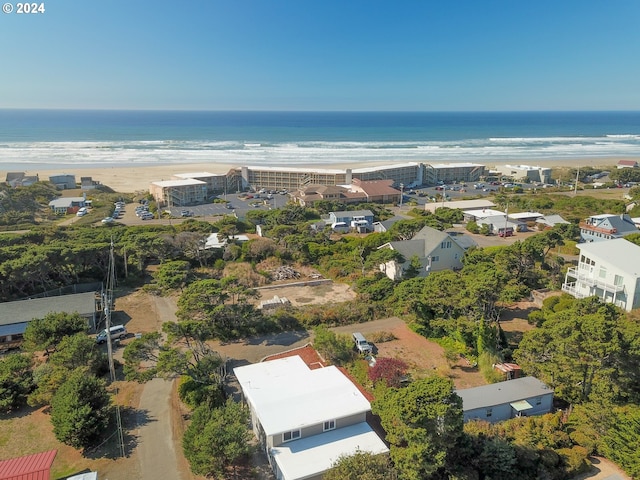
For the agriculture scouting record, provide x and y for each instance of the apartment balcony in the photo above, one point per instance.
(571, 289)
(590, 280)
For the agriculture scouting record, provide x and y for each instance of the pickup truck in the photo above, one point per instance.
(361, 343)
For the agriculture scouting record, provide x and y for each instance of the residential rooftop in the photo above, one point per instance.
(502, 392)
(26, 310)
(287, 395)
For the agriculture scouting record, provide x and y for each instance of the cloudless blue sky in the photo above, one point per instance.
(428, 55)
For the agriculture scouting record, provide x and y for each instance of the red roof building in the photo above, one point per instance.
(627, 164)
(29, 467)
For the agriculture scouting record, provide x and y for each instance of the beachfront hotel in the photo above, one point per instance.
(278, 178)
(191, 186)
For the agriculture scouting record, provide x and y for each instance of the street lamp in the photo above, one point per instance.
(401, 193)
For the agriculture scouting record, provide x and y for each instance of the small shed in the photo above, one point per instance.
(29, 467)
(510, 371)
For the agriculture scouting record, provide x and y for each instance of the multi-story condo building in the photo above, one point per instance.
(216, 182)
(452, 172)
(608, 270)
(178, 193)
(277, 178)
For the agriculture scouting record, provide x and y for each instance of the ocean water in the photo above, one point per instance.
(47, 139)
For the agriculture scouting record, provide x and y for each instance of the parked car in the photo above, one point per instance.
(147, 216)
(117, 332)
(186, 213)
(108, 220)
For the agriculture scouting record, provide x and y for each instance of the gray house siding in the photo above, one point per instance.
(498, 413)
(277, 440)
(347, 217)
(499, 401)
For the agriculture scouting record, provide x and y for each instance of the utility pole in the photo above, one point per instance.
(111, 276)
(401, 193)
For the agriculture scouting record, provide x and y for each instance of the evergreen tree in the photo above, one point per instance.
(80, 410)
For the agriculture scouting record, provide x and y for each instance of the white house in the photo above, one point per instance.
(64, 205)
(306, 419)
(434, 249)
(215, 241)
(501, 401)
(609, 270)
(529, 172)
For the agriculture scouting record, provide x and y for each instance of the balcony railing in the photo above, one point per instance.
(593, 228)
(589, 279)
(570, 288)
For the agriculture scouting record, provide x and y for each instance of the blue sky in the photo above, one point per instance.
(439, 55)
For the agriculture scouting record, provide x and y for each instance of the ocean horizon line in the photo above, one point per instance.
(332, 111)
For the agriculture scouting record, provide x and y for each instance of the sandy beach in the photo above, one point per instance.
(137, 179)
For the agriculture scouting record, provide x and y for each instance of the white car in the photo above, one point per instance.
(108, 220)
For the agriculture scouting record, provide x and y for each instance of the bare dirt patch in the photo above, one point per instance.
(298, 295)
(513, 321)
(423, 356)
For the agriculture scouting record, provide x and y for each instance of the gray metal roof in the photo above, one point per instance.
(422, 244)
(26, 310)
(502, 392)
(353, 213)
(552, 220)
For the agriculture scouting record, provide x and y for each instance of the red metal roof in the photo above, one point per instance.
(29, 467)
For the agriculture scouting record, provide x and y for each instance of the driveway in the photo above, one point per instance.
(156, 448)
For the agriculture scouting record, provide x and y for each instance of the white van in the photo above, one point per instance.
(117, 332)
(82, 211)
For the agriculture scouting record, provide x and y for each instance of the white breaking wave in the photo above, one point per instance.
(120, 153)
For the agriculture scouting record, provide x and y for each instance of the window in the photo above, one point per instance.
(538, 400)
(446, 244)
(618, 281)
(292, 435)
(603, 272)
(435, 258)
(329, 425)
(489, 412)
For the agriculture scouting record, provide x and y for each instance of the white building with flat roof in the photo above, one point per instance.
(526, 172)
(608, 269)
(452, 172)
(306, 419)
(216, 182)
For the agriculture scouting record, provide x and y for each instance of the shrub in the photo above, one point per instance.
(390, 370)
(381, 337)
